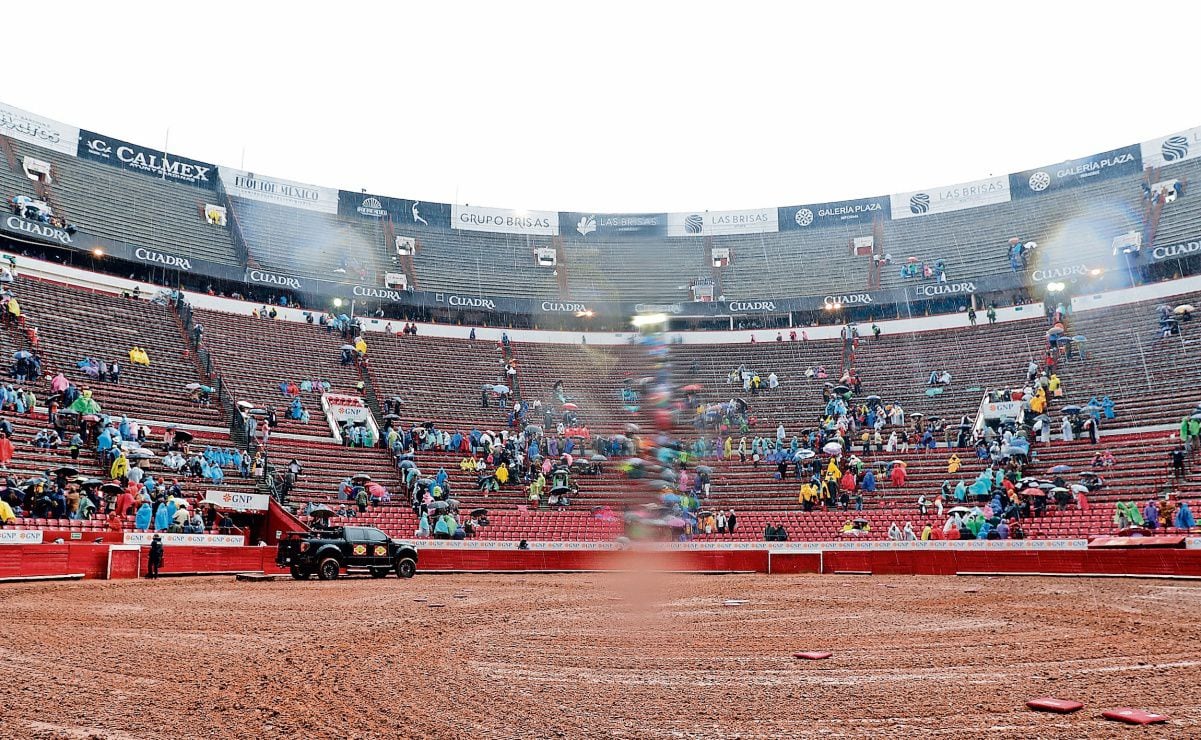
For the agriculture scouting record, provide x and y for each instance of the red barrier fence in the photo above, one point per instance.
(91, 561)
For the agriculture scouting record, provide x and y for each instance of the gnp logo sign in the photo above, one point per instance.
(238, 501)
(1177, 147)
(950, 198)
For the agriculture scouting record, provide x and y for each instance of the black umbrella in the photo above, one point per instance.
(33, 482)
(360, 476)
(704, 469)
(439, 505)
(66, 470)
(183, 436)
(112, 488)
(90, 482)
(841, 390)
(479, 512)
(598, 458)
(391, 417)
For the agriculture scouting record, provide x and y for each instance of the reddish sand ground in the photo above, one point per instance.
(590, 655)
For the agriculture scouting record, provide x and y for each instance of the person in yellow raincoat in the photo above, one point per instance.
(120, 466)
(502, 474)
(1056, 385)
(1038, 404)
(728, 447)
(832, 470)
(360, 346)
(6, 513)
(954, 463)
(808, 493)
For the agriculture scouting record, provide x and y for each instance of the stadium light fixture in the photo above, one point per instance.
(337, 303)
(1055, 287)
(833, 306)
(97, 252)
(649, 319)
(1095, 271)
(582, 314)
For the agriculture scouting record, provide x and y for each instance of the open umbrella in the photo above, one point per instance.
(704, 469)
(498, 388)
(805, 454)
(391, 417)
(142, 454)
(691, 388)
(670, 498)
(321, 511)
(452, 503)
(245, 405)
(1071, 410)
(841, 390)
(347, 346)
(360, 476)
(860, 520)
(872, 399)
(90, 482)
(479, 512)
(1059, 489)
(183, 436)
(902, 463)
(1033, 492)
(192, 387)
(832, 448)
(632, 428)
(674, 522)
(440, 505)
(22, 354)
(570, 407)
(112, 488)
(959, 510)
(916, 415)
(1184, 308)
(66, 470)
(534, 428)
(598, 458)
(1061, 469)
(1014, 240)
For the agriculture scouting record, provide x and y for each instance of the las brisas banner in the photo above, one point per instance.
(950, 198)
(38, 130)
(171, 167)
(1176, 147)
(719, 223)
(601, 225)
(278, 191)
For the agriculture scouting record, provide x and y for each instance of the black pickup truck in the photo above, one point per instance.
(329, 552)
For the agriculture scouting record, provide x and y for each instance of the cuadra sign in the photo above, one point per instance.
(849, 299)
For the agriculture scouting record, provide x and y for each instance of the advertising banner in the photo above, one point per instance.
(601, 225)
(38, 130)
(400, 210)
(20, 536)
(341, 408)
(817, 215)
(278, 191)
(238, 501)
(170, 167)
(1001, 409)
(950, 198)
(1173, 148)
(718, 223)
(504, 221)
(192, 540)
(280, 280)
(1177, 250)
(1124, 161)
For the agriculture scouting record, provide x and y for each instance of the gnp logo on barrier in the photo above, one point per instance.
(919, 203)
(1174, 148)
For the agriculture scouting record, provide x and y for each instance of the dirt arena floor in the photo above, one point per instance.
(596, 655)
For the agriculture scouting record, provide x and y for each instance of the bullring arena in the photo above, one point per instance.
(589, 655)
(285, 459)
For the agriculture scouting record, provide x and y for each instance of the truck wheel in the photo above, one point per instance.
(379, 572)
(406, 567)
(299, 573)
(329, 569)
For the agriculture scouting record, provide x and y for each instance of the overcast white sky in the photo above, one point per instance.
(614, 106)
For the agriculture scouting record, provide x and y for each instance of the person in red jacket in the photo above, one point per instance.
(124, 503)
(897, 476)
(6, 451)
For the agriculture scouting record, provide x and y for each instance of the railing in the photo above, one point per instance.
(235, 228)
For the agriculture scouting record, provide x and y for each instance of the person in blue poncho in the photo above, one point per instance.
(1184, 517)
(440, 478)
(960, 492)
(423, 525)
(141, 520)
(296, 410)
(1107, 406)
(171, 509)
(869, 481)
(441, 532)
(104, 442)
(161, 519)
(124, 429)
